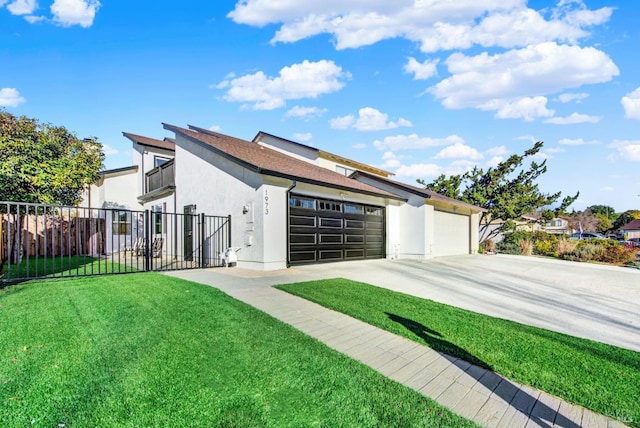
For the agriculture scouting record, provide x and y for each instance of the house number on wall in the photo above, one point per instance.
(266, 202)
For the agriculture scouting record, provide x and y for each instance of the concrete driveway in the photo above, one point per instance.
(591, 301)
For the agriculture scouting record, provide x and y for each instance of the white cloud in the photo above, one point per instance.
(631, 104)
(22, 7)
(526, 108)
(419, 170)
(10, 97)
(304, 80)
(513, 83)
(568, 97)
(391, 161)
(554, 150)
(434, 24)
(108, 150)
(421, 70)
(413, 141)
(628, 150)
(304, 137)
(457, 151)
(74, 12)
(497, 151)
(305, 112)
(577, 142)
(607, 189)
(494, 161)
(573, 119)
(215, 128)
(369, 119)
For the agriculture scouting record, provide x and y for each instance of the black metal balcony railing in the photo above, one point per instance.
(160, 177)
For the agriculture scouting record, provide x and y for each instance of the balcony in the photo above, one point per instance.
(160, 181)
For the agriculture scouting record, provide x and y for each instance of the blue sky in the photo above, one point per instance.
(417, 87)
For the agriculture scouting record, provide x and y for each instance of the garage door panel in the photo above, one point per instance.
(302, 221)
(324, 231)
(451, 234)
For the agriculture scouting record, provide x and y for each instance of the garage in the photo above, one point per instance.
(324, 230)
(452, 234)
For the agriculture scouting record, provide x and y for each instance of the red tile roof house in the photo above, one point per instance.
(294, 204)
(631, 230)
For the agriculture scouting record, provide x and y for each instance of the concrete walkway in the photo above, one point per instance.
(473, 392)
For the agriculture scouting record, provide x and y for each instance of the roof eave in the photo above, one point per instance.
(330, 185)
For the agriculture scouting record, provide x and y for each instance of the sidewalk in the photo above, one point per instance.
(470, 391)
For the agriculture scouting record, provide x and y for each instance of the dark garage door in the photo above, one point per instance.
(322, 230)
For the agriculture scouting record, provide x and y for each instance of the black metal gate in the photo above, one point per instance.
(52, 241)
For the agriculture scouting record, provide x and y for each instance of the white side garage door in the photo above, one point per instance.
(451, 235)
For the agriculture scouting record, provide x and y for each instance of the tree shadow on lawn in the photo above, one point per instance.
(500, 386)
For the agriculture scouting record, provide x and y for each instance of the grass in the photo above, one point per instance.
(60, 266)
(601, 377)
(150, 350)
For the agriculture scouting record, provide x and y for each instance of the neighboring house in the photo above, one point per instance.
(525, 223)
(557, 226)
(294, 204)
(631, 230)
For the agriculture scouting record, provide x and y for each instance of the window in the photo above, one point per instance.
(329, 206)
(160, 160)
(158, 220)
(557, 223)
(121, 223)
(344, 171)
(353, 209)
(298, 202)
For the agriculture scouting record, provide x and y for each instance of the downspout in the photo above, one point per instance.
(294, 183)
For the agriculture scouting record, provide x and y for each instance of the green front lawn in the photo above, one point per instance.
(150, 350)
(601, 377)
(61, 266)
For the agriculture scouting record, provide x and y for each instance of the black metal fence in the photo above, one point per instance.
(52, 241)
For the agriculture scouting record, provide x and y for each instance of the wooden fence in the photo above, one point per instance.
(28, 235)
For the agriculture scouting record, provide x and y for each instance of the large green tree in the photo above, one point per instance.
(43, 163)
(507, 191)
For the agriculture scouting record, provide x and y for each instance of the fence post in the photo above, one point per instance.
(147, 241)
(229, 232)
(202, 240)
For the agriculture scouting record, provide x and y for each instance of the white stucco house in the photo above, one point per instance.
(120, 191)
(295, 204)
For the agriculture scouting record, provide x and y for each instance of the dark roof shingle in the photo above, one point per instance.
(151, 142)
(264, 160)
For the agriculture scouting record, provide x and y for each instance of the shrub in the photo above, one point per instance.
(526, 247)
(488, 245)
(508, 248)
(566, 247)
(546, 248)
(584, 252)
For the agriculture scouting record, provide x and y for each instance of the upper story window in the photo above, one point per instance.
(160, 160)
(344, 171)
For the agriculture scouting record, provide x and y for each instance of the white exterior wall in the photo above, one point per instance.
(218, 186)
(475, 232)
(413, 232)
